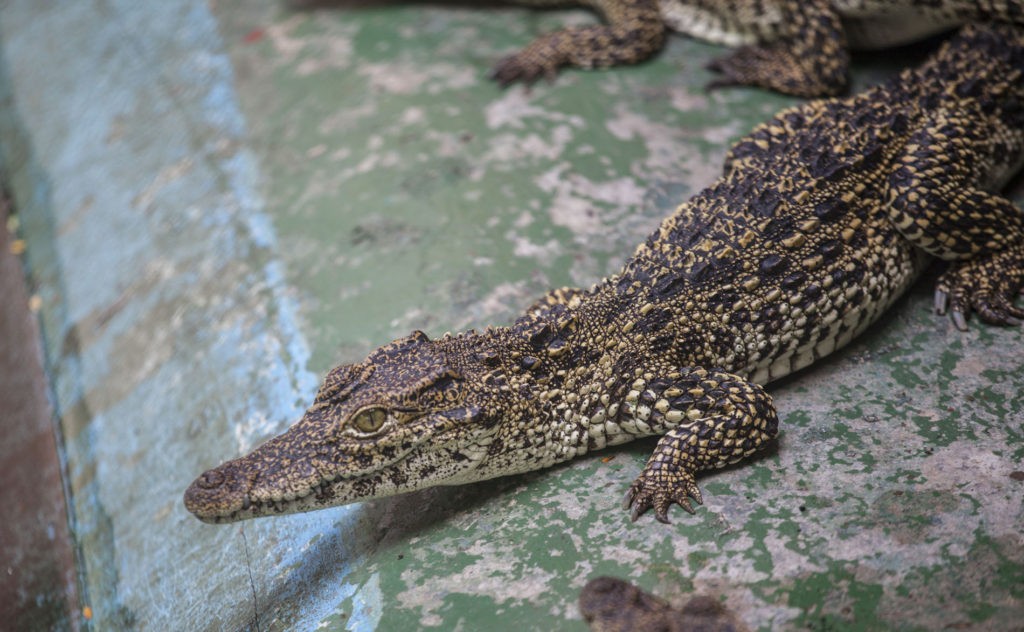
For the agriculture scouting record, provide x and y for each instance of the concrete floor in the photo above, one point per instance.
(221, 200)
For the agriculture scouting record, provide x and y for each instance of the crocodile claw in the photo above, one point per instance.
(510, 70)
(959, 320)
(527, 66)
(941, 302)
(987, 286)
(731, 71)
(660, 493)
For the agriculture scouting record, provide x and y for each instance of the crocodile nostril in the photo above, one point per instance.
(211, 479)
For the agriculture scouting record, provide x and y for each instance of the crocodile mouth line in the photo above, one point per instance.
(265, 507)
(322, 491)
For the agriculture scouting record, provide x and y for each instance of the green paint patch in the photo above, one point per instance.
(1007, 554)
(836, 600)
(981, 585)
(719, 489)
(907, 516)
(906, 373)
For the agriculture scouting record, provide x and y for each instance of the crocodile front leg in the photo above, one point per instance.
(936, 203)
(810, 60)
(721, 419)
(634, 32)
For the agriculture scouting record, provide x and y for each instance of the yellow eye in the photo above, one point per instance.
(370, 420)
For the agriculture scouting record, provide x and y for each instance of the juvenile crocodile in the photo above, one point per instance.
(797, 47)
(823, 217)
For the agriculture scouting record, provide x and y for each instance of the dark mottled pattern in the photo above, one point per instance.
(823, 216)
(614, 605)
(793, 47)
(807, 55)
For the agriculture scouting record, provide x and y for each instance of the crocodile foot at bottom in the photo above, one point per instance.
(988, 285)
(659, 486)
(540, 59)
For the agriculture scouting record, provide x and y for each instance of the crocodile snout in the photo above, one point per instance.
(218, 493)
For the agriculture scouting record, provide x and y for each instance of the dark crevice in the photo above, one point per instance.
(252, 584)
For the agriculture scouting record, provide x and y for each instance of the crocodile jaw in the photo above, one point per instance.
(262, 484)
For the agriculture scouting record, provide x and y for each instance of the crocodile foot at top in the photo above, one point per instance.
(797, 47)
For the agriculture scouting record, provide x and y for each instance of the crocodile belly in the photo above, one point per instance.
(820, 321)
(879, 32)
(723, 27)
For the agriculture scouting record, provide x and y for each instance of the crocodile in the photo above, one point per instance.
(797, 47)
(823, 216)
(609, 604)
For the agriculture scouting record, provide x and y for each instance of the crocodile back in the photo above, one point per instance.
(792, 253)
(771, 273)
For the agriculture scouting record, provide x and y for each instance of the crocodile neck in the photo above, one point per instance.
(571, 376)
(556, 372)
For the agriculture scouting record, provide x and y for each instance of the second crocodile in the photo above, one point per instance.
(797, 47)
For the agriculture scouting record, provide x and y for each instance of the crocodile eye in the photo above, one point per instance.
(370, 420)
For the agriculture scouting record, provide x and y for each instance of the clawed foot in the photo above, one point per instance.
(988, 286)
(738, 67)
(659, 486)
(775, 68)
(527, 66)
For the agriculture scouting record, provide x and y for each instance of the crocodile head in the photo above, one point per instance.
(402, 419)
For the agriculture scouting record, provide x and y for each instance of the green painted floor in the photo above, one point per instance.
(351, 176)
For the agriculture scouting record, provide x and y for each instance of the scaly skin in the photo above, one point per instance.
(634, 32)
(797, 47)
(823, 217)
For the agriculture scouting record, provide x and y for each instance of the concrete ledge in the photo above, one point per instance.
(162, 305)
(37, 581)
